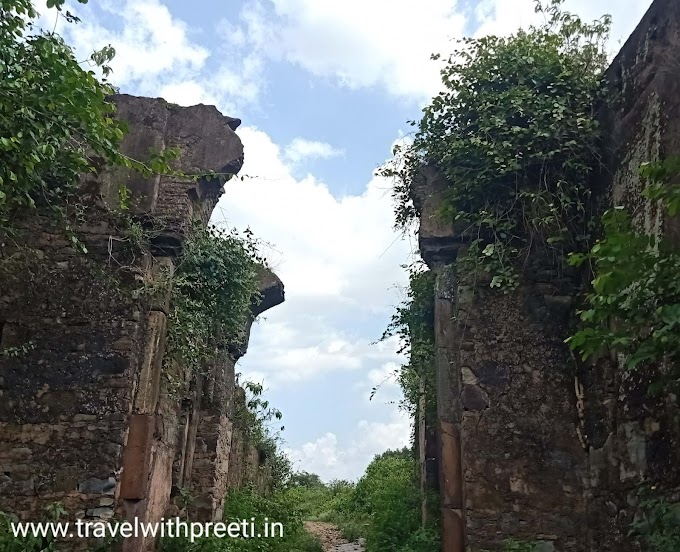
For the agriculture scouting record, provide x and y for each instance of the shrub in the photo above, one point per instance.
(634, 306)
(514, 134)
(246, 504)
(658, 526)
(387, 497)
(212, 290)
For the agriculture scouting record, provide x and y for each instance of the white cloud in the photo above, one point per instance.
(331, 459)
(151, 45)
(301, 149)
(381, 384)
(241, 79)
(188, 92)
(325, 246)
(357, 42)
(388, 46)
(314, 349)
(338, 258)
(156, 55)
(390, 43)
(503, 17)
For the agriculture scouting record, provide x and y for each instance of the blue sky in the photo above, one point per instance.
(324, 89)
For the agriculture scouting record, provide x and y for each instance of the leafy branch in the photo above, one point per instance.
(212, 290)
(514, 134)
(413, 324)
(634, 308)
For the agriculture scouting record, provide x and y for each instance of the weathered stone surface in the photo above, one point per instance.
(551, 450)
(137, 458)
(521, 454)
(271, 291)
(86, 417)
(206, 143)
(148, 386)
(439, 240)
(271, 294)
(98, 486)
(453, 531)
(474, 398)
(449, 412)
(451, 487)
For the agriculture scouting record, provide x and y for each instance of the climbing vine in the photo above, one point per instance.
(413, 324)
(260, 422)
(514, 134)
(212, 289)
(634, 306)
(658, 524)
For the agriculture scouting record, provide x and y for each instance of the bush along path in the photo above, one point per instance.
(331, 537)
(383, 508)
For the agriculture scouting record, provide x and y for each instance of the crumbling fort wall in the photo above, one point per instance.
(88, 415)
(534, 444)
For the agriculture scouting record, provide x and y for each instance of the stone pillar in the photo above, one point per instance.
(511, 462)
(213, 440)
(448, 377)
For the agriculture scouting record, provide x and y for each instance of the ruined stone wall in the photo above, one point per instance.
(511, 461)
(87, 417)
(633, 438)
(534, 445)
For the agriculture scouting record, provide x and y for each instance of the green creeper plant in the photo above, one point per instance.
(413, 323)
(213, 287)
(261, 424)
(514, 134)
(634, 306)
(658, 526)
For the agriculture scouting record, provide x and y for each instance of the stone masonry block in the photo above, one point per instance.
(137, 457)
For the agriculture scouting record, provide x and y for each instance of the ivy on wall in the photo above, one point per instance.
(634, 306)
(212, 290)
(514, 134)
(658, 525)
(413, 324)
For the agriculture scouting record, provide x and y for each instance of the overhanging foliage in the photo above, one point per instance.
(514, 134)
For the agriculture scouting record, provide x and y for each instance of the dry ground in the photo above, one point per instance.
(330, 537)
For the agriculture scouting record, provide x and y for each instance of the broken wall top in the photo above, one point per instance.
(206, 142)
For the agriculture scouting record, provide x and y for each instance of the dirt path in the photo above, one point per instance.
(331, 539)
